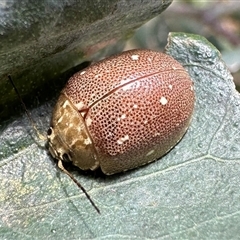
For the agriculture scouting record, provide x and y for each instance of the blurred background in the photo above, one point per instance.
(218, 21)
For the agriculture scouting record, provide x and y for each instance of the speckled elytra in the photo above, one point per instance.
(122, 112)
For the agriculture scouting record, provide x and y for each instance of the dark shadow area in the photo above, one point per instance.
(46, 93)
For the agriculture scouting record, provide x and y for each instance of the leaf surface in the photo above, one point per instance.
(191, 193)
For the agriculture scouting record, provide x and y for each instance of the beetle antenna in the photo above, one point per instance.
(40, 136)
(60, 165)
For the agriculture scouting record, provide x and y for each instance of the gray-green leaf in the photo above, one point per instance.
(191, 193)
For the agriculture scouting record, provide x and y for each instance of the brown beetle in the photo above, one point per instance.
(122, 112)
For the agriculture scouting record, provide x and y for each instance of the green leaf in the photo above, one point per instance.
(191, 193)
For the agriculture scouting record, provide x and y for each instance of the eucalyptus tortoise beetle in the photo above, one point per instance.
(122, 112)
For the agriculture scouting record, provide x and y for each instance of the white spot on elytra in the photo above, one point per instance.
(170, 86)
(135, 106)
(127, 87)
(145, 122)
(150, 153)
(88, 121)
(123, 116)
(81, 73)
(163, 100)
(174, 68)
(191, 88)
(79, 105)
(97, 75)
(123, 139)
(149, 59)
(135, 57)
(124, 81)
